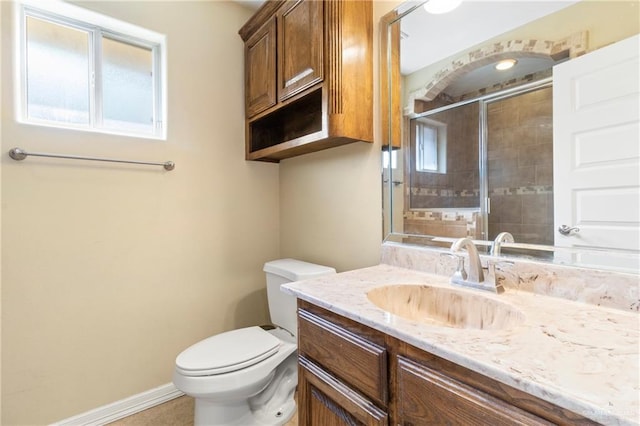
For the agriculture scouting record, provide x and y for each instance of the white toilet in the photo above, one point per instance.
(248, 376)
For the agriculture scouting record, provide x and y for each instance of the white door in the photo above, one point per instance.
(597, 152)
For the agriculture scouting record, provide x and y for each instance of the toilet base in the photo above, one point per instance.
(209, 414)
(273, 406)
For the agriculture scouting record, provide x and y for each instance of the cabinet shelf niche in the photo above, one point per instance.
(287, 127)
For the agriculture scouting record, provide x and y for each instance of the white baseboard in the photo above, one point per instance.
(123, 408)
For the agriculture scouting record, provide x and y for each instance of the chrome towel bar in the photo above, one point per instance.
(20, 154)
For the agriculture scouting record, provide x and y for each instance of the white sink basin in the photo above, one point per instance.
(445, 307)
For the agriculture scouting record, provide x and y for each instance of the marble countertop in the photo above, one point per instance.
(575, 355)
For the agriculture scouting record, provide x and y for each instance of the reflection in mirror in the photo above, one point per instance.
(508, 137)
(480, 151)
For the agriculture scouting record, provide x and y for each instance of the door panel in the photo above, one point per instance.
(596, 150)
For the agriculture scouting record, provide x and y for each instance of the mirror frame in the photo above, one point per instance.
(391, 116)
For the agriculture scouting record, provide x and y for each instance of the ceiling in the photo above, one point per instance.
(432, 38)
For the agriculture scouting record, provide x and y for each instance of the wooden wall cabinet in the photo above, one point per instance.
(260, 60)
(351, 374)
(308, 77)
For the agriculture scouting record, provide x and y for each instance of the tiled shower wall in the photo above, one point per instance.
(520, 167)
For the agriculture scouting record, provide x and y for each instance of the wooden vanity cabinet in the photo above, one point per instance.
(343, 373)
(325, 400)
(350, 374)
(426, 396)
(308, 77)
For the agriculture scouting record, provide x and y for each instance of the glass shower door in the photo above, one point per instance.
(519, 165)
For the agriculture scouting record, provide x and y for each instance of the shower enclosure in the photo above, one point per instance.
(483, 166)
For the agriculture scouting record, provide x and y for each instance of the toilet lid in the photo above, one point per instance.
(226, 352)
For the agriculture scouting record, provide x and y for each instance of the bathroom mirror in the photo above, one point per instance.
(472, 152)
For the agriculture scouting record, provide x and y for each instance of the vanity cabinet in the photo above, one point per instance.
(343, 378)
(427, 396)
(351, 374)
(308, 77)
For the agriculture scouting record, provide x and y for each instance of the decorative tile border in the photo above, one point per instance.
(444, 215)
(569, 47)
(523, 190)
(443, 192)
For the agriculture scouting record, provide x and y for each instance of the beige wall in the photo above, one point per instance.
(330, 207)
(109, 271)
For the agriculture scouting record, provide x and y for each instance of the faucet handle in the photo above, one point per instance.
(460, 273)
(492, 267)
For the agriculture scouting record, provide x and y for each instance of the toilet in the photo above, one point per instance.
(248, 376)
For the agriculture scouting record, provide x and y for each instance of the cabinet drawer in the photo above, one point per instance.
(328, 402)
(359, 362)
(430, 398)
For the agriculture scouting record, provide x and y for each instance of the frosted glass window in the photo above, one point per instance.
(430, 145)
(427, 148)
(127, 86)
(57, 68)
(89, 71)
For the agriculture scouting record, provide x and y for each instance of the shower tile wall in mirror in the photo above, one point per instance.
(482, 151)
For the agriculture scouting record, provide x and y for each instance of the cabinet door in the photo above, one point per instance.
(325, 401)
(300, 46)
(427, 397)
(260, 69)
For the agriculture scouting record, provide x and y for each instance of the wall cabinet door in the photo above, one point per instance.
(260, 70)
(326, 401)
(300, 46)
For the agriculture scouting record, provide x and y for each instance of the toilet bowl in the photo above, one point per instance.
(248, 376)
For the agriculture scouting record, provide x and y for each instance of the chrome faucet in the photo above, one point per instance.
(496, 247)
(476, 277)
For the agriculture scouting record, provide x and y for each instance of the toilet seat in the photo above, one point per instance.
(227, 352)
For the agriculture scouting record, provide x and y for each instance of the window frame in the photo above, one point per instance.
(97, 27)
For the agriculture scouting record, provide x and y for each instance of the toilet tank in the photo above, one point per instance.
(282, 307)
